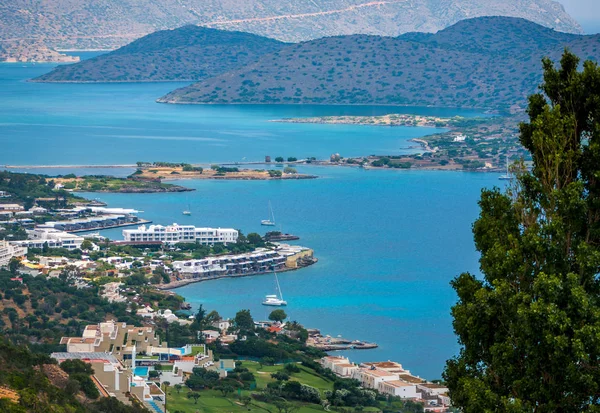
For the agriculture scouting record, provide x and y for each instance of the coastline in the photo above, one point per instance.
(182, 283)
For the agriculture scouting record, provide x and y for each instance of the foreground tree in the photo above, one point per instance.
(530, 330)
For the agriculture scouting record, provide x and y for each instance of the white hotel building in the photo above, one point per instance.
(172, 234)
(8, 251)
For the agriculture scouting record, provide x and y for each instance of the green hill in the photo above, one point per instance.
(487, 62)
(187, 53)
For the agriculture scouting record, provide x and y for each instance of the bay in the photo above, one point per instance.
(388, 242)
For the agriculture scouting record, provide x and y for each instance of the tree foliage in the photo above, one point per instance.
(530, 330)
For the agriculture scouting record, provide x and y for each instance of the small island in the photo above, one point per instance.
(174, 171)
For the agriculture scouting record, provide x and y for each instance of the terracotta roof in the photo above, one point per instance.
(398, 383)
(378, 373)
(411, 379)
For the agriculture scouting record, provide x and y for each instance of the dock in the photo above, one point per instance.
(328, 343)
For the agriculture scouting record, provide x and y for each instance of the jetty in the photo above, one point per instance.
(328, 343)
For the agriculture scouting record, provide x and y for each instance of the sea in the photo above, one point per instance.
(388, 241)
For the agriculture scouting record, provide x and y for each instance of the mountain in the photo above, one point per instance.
(187, 53)
(486, 62)
(94, 24)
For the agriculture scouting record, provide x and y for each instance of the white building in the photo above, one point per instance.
(37, 237)
(175, 233)
(8, 251)
(399, 388)
(341, 366)
(370, 378)
(11, 207)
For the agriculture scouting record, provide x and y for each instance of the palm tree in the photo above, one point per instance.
(165, 385)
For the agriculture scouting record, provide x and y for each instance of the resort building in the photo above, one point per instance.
(37, 237)
(341, 366)
(113, 379)
(9, 251)
(11, 207)
(389, 366)
(121, 340)
(399, 388)
(370, 378)
(260, 261)
(172, 234)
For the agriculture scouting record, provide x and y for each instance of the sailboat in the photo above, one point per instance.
(275, 300)
(187, 211)
(271, 221)
(505, 177)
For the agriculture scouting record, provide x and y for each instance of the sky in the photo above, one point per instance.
(586, 12)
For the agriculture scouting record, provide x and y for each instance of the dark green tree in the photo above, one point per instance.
(277, 315)
(530, 329)
(193, 395)
(243, 322)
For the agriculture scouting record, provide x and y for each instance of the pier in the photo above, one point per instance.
(328, 343)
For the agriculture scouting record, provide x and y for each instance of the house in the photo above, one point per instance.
(112, 294)
(221, 324)
(11, 207)
(146, 312)
(399, 388)
(210, 336)
(370, 378)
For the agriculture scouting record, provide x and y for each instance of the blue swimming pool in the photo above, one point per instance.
(141, 371)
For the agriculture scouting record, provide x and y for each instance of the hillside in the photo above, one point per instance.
(488, 62)
(187, 53)
(108, 24)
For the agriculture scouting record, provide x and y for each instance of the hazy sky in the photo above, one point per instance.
(586, 12)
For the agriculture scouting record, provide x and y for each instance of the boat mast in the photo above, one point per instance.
(278, 287)
(271, 211)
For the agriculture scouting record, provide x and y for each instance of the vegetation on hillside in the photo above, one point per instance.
(186, 53)
(487, 62)
(33, 383)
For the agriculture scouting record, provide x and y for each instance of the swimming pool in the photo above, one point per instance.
(141, 371)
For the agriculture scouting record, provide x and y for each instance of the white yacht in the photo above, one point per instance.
(271, 221)
(273, 299)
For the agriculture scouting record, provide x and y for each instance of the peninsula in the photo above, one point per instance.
(386, 120)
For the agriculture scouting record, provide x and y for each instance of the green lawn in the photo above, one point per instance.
(212, 401)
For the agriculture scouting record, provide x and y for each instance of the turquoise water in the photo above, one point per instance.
(388, 242)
